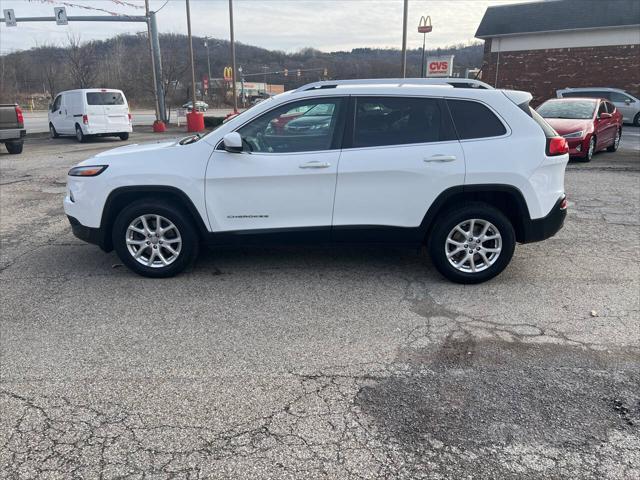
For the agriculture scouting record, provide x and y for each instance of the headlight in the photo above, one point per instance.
(91, 171)
(574, 134)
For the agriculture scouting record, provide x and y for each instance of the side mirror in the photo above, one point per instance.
(605, 115)
(232, 142)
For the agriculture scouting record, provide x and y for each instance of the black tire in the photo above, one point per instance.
(636, 120)
(124, 136)
(616, 141)
(590, 153)
(53, 133)
(80, 136)
(445, 224)
(14, 148)
(184, 224)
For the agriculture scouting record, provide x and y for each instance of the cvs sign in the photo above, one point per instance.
(440, 66)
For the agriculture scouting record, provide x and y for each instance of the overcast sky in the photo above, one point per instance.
(288, 25)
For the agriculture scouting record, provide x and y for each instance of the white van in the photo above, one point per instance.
(91, 111)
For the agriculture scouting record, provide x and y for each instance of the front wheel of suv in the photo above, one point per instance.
(472, 243)
(155, 239)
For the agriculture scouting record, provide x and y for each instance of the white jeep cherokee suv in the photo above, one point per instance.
(466, 171)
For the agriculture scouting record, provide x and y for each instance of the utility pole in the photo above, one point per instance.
(233, 59)
(403, 70)
(195, 120)
(153, 66)
(206, 44)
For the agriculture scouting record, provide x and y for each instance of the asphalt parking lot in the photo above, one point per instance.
(319, 363)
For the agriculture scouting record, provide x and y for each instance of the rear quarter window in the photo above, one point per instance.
(105, 98)
(475, 120)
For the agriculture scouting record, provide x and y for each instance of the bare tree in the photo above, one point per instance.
(82, 61)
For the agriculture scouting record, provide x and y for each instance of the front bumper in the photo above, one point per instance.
(578, 147)
(542, 228)
(87, 234)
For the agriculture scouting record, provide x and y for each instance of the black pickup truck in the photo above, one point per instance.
(12, 130)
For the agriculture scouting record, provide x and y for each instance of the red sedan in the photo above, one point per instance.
(588, 124)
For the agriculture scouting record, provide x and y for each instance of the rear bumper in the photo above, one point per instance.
(110, 130)
(12, 134)
(87, 234)
(546, 227)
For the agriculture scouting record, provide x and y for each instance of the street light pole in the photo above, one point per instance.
(195, 120)
(206, 44)
(233, 59)
(403, 70)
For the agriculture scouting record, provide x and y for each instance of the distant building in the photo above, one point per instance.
(544, 46)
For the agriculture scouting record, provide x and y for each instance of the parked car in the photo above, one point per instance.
(200, 106)
(466, 172)
(588, 124)
(12, 129)
(627, 104)
(100, 112)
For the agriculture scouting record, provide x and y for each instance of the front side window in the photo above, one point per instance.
(474, 120)
(397, 120)
(105, 98)
(56, 103)
(602, 109)
(305, 126)
(611, 108)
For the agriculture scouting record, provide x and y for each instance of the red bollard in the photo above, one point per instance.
(195, 122)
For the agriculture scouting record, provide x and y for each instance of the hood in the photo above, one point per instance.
(569, 125)
(137, 148)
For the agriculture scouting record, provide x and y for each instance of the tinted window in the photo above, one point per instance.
(576, 109)
(396, 121)
(611, 107)
(105, 98)
(474, 120)
(602, 108)
(56, 104)
(304, 126)
(618, 97)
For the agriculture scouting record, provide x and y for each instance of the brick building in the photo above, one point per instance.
(544, 46)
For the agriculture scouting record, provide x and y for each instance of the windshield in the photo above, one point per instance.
(574, 109)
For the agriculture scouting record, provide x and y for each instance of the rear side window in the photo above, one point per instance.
(383, 121)
(105, 98)
(474, 120)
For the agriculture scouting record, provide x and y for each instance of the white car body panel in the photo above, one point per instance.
(390, 186)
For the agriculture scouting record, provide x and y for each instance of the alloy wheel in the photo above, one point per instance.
(616, 142)
(153, 241)
(592, 148)
(473, 245)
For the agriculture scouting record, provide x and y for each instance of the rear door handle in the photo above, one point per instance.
(315, 164)
(440, 158)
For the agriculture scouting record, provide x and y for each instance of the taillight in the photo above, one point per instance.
(85, 119)
(19, 114)
(557, 146)
(129, 116)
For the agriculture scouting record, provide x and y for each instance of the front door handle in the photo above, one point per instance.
(440, 158)
(315, 164)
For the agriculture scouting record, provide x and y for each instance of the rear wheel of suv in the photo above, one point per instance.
(636, 120)
(472, 243)
(155, 239)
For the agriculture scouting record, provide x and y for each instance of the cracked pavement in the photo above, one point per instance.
(351, 363)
